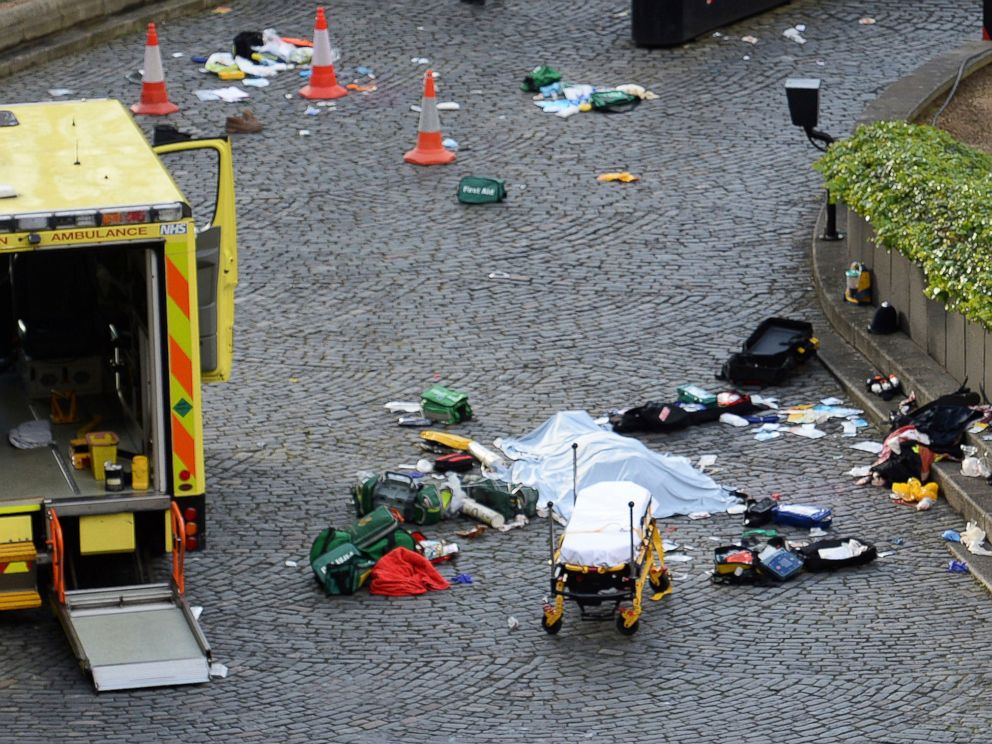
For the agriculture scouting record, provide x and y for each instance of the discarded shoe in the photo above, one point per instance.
(244, 124)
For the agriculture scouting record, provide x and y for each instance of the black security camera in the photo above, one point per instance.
(804, 101)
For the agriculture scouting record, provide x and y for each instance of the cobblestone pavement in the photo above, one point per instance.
(363, 280)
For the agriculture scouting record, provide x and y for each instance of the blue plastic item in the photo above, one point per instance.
(957, 567)
(951, 536)
(798, 515)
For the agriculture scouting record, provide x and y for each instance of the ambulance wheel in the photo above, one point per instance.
(551, 628)
(624, 630)
(662, 583)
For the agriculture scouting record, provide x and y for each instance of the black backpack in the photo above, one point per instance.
(652, 417)
(943, 420)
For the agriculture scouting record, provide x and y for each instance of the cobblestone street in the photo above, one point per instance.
(363, 280)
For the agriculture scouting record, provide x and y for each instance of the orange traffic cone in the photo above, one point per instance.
(154, 100)
(323, 81)
(429, 150)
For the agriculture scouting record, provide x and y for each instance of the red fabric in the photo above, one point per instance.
(401, 572)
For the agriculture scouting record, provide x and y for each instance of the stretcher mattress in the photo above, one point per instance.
(598, 532)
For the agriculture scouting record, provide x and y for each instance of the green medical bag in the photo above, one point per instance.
(479, 190)
(446, 406)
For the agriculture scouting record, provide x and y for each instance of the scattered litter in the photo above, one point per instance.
(749, 39)
(746, 57)
(624, 177)
(255, 82)
(699, 515)
(177, 55)
(762, 400)
(59, 92)
(957, 567)
(951, 536)
(462, 578)
(886, 553)
(733, 419)
(509, 277)
(800, 27)
(218, 670)
(765, 435)
(512, 623)
(415, 107)
(367, 71)
(817, 532)
(867, 21)
(472, 533)
(221, 10)
(196, 611)
(859, 422)
(304, 132)
(706, 461)
(669, 546)
(897, 541)
(871, 447)
(850, 429)
(680, 577)
(312, 111)
(402, 406)
(417, 421)
(518, 521)
(807, 431)
(450, 144)
(291, 564)
(448, 106)
(861, 471)
(972, 538)
(794, 34)
(831, 401)
(975, 468)
(737, 509)
(419, 60)
(229, 95)
(678, 558)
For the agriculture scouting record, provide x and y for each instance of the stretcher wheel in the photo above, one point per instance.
(551, 628)
(624, 630)
(662, 583)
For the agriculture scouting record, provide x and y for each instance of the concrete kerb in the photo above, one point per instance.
(45, 29)
(851, 354)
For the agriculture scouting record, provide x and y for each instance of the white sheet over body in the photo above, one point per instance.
(543, 460)
(598, 532)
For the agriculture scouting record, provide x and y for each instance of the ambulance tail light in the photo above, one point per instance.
(32, 222)
(87, 218)
(167, 212)
(129, 216)
(192, 528)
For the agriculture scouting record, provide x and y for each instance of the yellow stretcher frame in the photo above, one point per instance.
(650, 553)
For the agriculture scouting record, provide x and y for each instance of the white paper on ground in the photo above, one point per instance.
(850, 429)
(705, 461)
(809, 431)
(872, 447)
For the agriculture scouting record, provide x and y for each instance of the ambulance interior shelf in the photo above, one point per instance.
(76, 325)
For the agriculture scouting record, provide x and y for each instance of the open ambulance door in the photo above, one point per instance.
(198, 166)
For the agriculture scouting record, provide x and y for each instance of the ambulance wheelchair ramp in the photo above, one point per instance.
(135, 636)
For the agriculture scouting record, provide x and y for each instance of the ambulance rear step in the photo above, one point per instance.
(135, 636)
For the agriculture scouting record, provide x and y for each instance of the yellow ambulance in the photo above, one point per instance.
(115, 305)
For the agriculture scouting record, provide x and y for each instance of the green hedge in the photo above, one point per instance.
(929, 197)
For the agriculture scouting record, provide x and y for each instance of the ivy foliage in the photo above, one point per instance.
(927, 196)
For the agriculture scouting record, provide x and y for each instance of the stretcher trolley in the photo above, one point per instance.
(609, 549)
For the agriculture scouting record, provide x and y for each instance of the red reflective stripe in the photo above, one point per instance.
(177, 287)
(181, 366)
(183, 445)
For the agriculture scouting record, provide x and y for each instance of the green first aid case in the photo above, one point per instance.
(479, 190)
(446, 406)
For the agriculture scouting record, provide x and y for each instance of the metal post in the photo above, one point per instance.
(986, 19)
(630, 505)
(830, 233)
(551, 528)
(575, 473)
